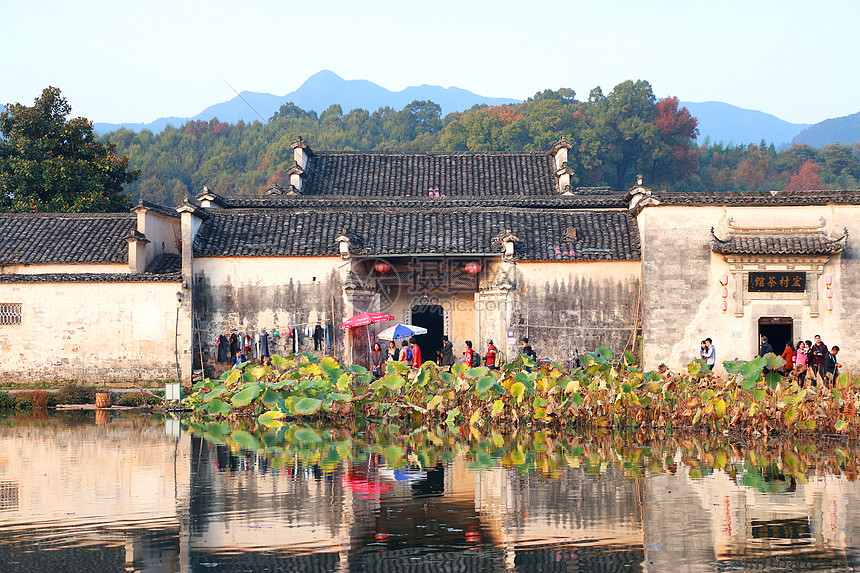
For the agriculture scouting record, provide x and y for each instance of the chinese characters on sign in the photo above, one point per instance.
(777, 282)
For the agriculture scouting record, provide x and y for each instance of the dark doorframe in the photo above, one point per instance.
(431, 317)
(779, 331)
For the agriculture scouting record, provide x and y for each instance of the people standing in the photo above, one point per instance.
(405, 353)
(416, 354)
(765, 346)
(490, 359)
(817, 355)
(446, 354)
(391, 355)
(378, 357)
(467, 355)
(234, 347)
(788, 356)
(800, 356)
(527, 349)
(710, 353)
(831, 366)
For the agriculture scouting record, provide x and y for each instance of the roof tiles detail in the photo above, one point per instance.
(65, 238)
(782, 198)
(801, 244)
(600, 235)
(397, 175)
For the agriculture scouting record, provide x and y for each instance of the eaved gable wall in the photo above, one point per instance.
(682, 295)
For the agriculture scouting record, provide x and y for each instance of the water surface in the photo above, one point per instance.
(137, 493)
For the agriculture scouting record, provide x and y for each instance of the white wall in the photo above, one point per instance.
(90, 331)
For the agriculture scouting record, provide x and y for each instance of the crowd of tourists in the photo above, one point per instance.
(807, 361)
(410, 353)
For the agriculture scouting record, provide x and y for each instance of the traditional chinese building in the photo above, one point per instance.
(474, 246)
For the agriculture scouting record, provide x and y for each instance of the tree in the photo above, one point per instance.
(806, 178)
(50, 164)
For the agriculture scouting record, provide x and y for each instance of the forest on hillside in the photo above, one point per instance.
(614, 136)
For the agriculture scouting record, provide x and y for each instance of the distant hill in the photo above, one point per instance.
(320, 91)
(844, 129)
(732, 124)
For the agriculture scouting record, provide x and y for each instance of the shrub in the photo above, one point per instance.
(138, 399)
(77, 394)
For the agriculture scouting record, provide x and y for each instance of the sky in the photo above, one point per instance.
(135, 61)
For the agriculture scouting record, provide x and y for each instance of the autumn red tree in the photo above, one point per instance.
(678, 130)
(806, 178)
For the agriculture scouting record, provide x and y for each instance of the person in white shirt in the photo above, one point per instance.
(710, 353)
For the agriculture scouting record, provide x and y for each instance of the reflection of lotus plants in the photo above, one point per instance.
(765, 464)
(605, 392)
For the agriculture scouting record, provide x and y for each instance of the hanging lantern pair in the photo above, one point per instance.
(829, 293)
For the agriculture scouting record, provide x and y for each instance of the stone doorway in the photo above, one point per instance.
(431, 317)
(779, 331)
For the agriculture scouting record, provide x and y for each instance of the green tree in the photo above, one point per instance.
(49, 163)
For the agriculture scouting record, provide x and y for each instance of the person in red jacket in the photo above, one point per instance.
(416, 354)
(468, 354)
(490, 358)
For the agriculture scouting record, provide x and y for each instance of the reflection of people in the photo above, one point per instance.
(446, 355)
(490, 359)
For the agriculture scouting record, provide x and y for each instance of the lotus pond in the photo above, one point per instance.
(95, 491)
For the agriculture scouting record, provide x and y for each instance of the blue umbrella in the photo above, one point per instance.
(399, 331)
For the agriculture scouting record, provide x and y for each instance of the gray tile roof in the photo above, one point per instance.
(800, 244)
(417, 174)
(166, 211)
(65, 238)
(783, 198)
(91, 278)
(580, 200)
(544, 233)
(165, 263)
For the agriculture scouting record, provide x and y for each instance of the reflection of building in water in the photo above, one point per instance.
(541, 520)
(794, 525)
(82, 498)
(242, 502)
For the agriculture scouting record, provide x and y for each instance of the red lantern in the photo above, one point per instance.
(724, 280)
(725, 306)
(382, 267)
(829, 306)
(829, 280)
(473, 268)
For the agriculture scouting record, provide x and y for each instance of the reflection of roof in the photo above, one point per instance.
(65, 237)
(545, 234)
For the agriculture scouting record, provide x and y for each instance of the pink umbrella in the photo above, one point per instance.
(366, 318)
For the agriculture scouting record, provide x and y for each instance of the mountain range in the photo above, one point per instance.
(718, 121)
